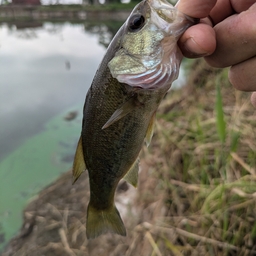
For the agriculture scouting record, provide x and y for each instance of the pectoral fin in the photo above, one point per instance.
(132, 175)
(79, 164)
(125, 109)
(150, 130)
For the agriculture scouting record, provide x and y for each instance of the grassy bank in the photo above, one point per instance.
(196, 193)
(204, 161)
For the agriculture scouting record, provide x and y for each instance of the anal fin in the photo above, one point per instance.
(150, 130)
(79, 164)
(132, 175)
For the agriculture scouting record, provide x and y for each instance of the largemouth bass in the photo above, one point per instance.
(138, 69)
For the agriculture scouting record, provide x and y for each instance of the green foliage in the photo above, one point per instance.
(221, 124)
(210, 183)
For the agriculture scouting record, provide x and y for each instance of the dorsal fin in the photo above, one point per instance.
(79, 164)
(150, 130)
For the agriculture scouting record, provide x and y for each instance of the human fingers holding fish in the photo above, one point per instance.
(198, 40)
(236, 37)
(236, 47)
(234, 24)
(235, 33)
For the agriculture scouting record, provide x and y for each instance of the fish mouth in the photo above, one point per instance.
(169, 18)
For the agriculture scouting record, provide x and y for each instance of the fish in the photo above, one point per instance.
(119, 112)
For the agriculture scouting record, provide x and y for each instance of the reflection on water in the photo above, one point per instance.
(105, 31)
(45, 71)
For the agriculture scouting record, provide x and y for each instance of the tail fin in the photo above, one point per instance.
(102, 221)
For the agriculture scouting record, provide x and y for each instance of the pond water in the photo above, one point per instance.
(45, 71)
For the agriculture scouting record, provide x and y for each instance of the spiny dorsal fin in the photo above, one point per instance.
(132, 175)
(79, 164)
(125, 109)
(150, 130)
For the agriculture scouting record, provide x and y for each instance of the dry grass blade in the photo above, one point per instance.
(153, 243)
(205, 239)
(64, 241)
(192, 187)
(242, 163)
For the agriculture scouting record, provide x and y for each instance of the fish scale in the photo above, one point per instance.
(119, 112)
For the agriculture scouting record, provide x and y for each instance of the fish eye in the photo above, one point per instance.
(136, 22)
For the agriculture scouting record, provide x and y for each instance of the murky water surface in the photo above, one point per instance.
(45, 72)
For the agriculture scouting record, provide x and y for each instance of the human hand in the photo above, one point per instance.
(231, 41)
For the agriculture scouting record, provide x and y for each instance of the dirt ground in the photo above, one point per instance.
(54, 222)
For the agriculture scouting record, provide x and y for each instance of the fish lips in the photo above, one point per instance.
(169, 19)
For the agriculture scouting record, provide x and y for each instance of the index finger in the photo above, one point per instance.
(196, 8)
(225, 8)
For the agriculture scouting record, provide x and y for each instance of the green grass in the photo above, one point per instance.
(221, 124)
(207, 168)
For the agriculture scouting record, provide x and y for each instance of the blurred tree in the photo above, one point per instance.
(26, 2)
(134, 1)
(106, 30)
(112, 1)
(91, 2)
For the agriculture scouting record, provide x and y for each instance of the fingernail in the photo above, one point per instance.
(253, 99)
(193, 49)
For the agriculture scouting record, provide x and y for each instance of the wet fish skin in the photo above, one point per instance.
(119, 116)
(111, 152)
